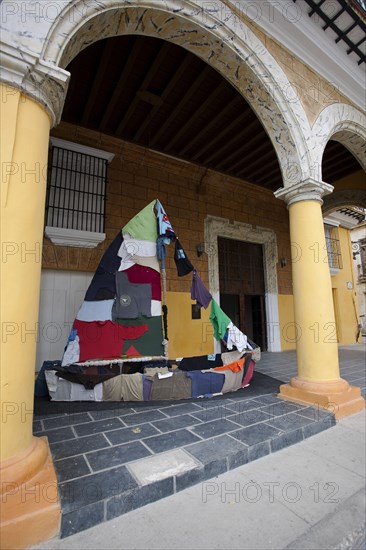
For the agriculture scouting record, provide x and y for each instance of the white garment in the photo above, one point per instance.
(156, 310)
(136, 247)
(97, 310)
(236, 338)
(64, 390)
(72, 353)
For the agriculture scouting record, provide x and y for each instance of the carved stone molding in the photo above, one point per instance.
(310, 190)
(42, 81)
(73, 237)
(220, 227)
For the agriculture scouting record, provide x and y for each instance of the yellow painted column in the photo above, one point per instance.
(318, 380)
(313, 303)
(25, 463)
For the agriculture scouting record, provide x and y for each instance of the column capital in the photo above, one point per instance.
(307, 190)
(42, 81)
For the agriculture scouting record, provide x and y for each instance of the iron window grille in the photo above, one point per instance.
(333, 247)
(76, 189)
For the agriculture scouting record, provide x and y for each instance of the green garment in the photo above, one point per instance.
(219, 320)
(144, 225)
(150, 343)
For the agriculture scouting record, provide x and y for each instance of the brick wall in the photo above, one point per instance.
(138, 175)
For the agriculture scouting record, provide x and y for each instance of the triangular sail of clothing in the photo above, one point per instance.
(124, 320)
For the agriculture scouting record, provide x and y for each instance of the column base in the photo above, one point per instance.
(30, 508)
(336, 396)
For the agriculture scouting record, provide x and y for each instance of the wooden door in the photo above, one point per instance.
(242, 287)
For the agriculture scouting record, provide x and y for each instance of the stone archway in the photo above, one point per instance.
(227, 45)
(343, 198)
(343, 123)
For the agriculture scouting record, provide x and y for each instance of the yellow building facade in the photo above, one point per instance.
(305, 307)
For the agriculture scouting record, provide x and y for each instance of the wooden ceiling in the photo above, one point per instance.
(159, 95)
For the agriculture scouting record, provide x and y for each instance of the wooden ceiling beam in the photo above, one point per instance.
(269, 169)
(183, 67)
(155, 66)
(342, 158)
(181, 104)
(209, 99)
(129, 65)
(243, 151)
(101, 74)
(250, 166)
(229, 143)
(226, 130)
(272, 179)
(214, 121)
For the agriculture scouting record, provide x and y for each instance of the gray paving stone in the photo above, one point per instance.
(282, 408)
(223, 448)
(317, 427)
(98, 426)
(258, 450)
(81, 519)
(140, 418)
(139, 496)
(84, 491)
(70, 468)
(184, 408)
(286, 439)
(255, 434)
(244, 405)
(111, 413)
(199, 475)
(37, 426)
(213, 413)
(247, 418)
(170, 440)
(78, 446)
(217, 427)
(289, 422)
(131, 433)
(268, 399)
(176, 422)
(66, 420)
(315, 413)
(119, 454)
(62, 434)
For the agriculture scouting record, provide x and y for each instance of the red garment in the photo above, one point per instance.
(142, 274)
(132, 352)
(237, 366)
(249, 374)
(104, 339)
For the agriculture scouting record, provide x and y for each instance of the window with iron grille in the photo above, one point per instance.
(333, 246)
(76, 188)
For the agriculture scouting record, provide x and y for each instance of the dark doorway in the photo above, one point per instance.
(242, 288)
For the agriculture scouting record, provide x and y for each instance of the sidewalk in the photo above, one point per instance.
(310, 495)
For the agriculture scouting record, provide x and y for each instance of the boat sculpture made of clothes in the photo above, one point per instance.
(118, 346)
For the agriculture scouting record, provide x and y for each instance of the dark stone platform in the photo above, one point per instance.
(93, 444)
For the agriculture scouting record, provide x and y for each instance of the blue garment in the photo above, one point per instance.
(199, 292)
(204, 383)
(165, 227)
(102, 286)
(161, 251)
